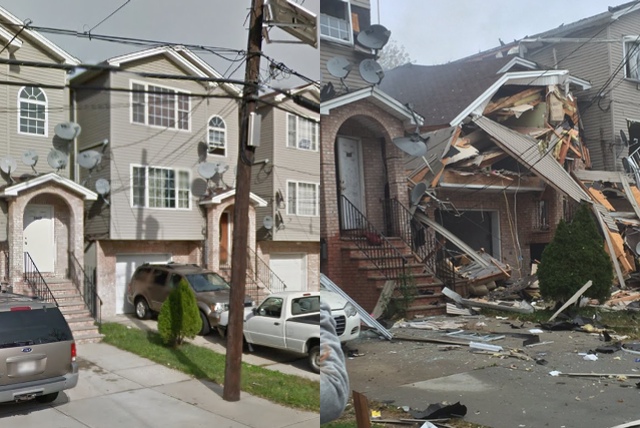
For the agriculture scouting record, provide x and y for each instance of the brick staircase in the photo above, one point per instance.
(72, 305)
(428, 300)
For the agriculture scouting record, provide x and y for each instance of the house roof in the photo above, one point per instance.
(46, 44)
(219, 198)
(446, 94)
(376, 96)
(525, 150)
(52, 177)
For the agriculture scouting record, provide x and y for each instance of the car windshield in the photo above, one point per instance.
(201, 282)
(33, 327)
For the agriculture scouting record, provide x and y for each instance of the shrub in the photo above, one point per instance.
(576, 255)
(179, 316)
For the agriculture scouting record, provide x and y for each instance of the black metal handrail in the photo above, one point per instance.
(33, 277)
(263, 275)
(373, 244)
(422, 241)
(6, 266)
(86, 286)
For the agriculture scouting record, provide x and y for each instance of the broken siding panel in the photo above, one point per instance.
(606, 217)
(526, 151)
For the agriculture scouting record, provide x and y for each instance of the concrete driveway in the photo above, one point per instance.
(120, 389)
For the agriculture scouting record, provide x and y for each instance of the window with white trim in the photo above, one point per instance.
(631, 52)
(217, 136)
(32, 116)
(302, 198)
(156, 187)
(302, 133)
(155, 105)
(335, 20)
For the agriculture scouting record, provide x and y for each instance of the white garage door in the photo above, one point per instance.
(291, 268)
(126, 264)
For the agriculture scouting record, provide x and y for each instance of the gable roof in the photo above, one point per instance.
(7, 17)
(15, 189)
(219, 198)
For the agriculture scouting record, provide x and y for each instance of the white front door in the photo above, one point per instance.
(350, 181)
(38, 236)
(291, 269)
(125, 266)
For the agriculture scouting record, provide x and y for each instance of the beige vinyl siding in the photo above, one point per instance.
(298, 165)
(354, 81)
(137, 144)
(262, 174)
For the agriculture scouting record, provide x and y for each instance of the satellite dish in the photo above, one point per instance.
(102, 186)
(222, 168)
(374, 37)
(417, 192)
(207, 170)
(371, 71)
(414, 145)
(89, 159)
(57, 159)
(30, 158)
(339, 67)
(67, 130)
(8, 165)
(623, 136)
(267, 222)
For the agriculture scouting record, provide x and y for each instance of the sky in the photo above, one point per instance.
(220, 23)
(439, 31)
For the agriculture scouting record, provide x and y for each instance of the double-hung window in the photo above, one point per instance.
(157, 187)
(631, 53)
(302, 133)
(32, 106)
(217, 136)
(335, 20)
(302, 198)
(160, 106)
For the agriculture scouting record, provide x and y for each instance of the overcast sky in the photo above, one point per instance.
(439, 31)
(219, 23)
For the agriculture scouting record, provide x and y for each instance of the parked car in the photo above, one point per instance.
(344, 313)
(37, 350)
(289, 320)
(151, 283)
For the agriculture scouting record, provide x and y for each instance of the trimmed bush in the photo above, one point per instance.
(576, 255)
(179, 316)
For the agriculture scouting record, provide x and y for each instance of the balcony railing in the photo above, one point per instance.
(33, 277)
(86, 286)
(373, 244)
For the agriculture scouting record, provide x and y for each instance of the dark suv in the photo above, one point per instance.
(151, 283)
(37, 350)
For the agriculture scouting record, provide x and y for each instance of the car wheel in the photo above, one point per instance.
(206, 328)
(47, 398)
(142, 309)
(314, 358)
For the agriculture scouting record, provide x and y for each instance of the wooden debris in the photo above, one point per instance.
(361, 407)
(572, 300)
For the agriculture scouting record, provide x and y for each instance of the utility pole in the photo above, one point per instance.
(233, 365)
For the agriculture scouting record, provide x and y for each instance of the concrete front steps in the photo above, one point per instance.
(428, 299)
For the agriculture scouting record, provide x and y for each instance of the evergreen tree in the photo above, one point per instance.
(576, 255)
(179, 316)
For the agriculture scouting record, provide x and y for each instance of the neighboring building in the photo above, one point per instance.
(155, 135)
(286, 173)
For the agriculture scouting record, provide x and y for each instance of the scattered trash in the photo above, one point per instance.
(609, 349)
(440, 410)
(548, 342)
(589, 357)
(555, 373)
(541, 361)
(471, 335)
(376, 414)
(536, 331)
(428, 425)
(485, 347)
(632, 348)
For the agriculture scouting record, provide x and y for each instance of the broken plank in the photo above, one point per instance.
(572, 300)
(629, 376)
(361, 407)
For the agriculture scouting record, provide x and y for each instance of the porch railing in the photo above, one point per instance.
(86, 286)
(6, 266)
(33, 277)
(429, 250)
(261, 274)
(373, 244)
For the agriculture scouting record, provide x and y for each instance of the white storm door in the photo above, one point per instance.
(125, 267)
(350, 181)
(38, 236)
(291, 269)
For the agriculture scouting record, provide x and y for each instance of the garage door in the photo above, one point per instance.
(291, 268)
(126, 264)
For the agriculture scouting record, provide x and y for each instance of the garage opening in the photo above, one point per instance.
(126, 264)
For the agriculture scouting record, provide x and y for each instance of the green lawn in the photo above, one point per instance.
(280, 388)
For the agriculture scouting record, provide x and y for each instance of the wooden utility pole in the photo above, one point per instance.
(233, 365)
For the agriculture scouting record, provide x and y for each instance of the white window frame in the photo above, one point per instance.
(44, 103)
(177, 93)
(177, 190)
(297, 205)
(349, 22)
(296, 144)
(628, 40)
(226, 136)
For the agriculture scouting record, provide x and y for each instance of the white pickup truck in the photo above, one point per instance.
(289, 320)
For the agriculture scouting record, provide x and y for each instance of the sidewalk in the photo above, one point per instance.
(142, 393)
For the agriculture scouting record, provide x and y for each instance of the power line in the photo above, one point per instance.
(109, 16)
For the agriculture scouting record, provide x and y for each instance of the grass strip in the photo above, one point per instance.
(202, 363)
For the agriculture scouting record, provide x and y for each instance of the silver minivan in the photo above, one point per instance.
(37, 350)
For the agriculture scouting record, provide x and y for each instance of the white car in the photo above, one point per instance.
(344, 313)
